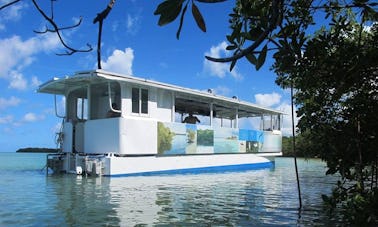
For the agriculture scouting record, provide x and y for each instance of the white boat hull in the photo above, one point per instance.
(148, 165)
(111, 165)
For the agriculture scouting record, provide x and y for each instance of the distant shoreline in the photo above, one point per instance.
(37, 150)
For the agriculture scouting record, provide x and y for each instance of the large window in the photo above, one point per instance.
(77, 105)
(140, 100)
(82, 109)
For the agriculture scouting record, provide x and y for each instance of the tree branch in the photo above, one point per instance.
(100, 19)
(57, 31)
(9, 4)
(60, 29)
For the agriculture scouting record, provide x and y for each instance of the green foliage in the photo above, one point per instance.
(281, 27)
(205, 137)
(337, 94)
(357, 208)
(305, 146)
(165, 137)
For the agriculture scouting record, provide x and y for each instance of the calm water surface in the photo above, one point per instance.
(266, 197)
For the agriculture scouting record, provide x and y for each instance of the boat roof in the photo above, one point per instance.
(185, 97)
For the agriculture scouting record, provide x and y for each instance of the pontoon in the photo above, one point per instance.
(120, 125)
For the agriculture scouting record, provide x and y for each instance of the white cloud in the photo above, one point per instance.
(32, 117)
(11, 13)
(35, 82)
(6, 119)
(219, 69)
(16, 54)
(12, 101)
(17, 81)
(132, 23)
(268, 100)
(120, 61)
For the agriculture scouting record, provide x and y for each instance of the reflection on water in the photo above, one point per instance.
(266, 197)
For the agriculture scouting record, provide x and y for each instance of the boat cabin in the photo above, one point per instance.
(129, 116)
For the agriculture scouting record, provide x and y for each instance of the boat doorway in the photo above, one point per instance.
(77, 113)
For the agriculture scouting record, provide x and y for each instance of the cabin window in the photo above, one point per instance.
(82, 109)
(77, 105)
(139, 100)
(102, 95)
(270, 122)
(144, 100)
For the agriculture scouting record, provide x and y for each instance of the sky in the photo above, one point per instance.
(133, 44)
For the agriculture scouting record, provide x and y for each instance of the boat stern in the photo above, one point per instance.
(93, 165)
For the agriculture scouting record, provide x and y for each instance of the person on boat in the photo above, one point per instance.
(112, 113)
(191, 119)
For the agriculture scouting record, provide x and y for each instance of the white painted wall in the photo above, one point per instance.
(138, 136)
(79, 137)
(159, 103)
(126, 99)
(67, 137)
(102, 135)
(163, 106)
(121, 136)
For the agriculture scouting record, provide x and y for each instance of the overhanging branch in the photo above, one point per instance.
(9, 4)
(273, 22)
(56, 29)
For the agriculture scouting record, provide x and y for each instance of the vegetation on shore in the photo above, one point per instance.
(37, 150)
(303, 147)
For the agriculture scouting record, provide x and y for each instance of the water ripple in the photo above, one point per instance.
(266, 197)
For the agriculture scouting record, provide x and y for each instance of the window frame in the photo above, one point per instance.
(141, 100)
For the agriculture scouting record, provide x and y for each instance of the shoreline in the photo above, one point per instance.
(37, 150)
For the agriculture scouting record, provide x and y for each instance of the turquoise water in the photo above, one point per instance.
(265, 197)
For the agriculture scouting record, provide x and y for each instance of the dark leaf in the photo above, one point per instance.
(169, 11)
(181, 21)
(261, 60)
(251, 58)
(229, 38)
(233, 63)
(231, 47)
(198, 17)
(236, 31)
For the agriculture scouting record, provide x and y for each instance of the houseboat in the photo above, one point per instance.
(121, 125)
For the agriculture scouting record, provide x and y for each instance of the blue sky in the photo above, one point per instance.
(132, 43)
